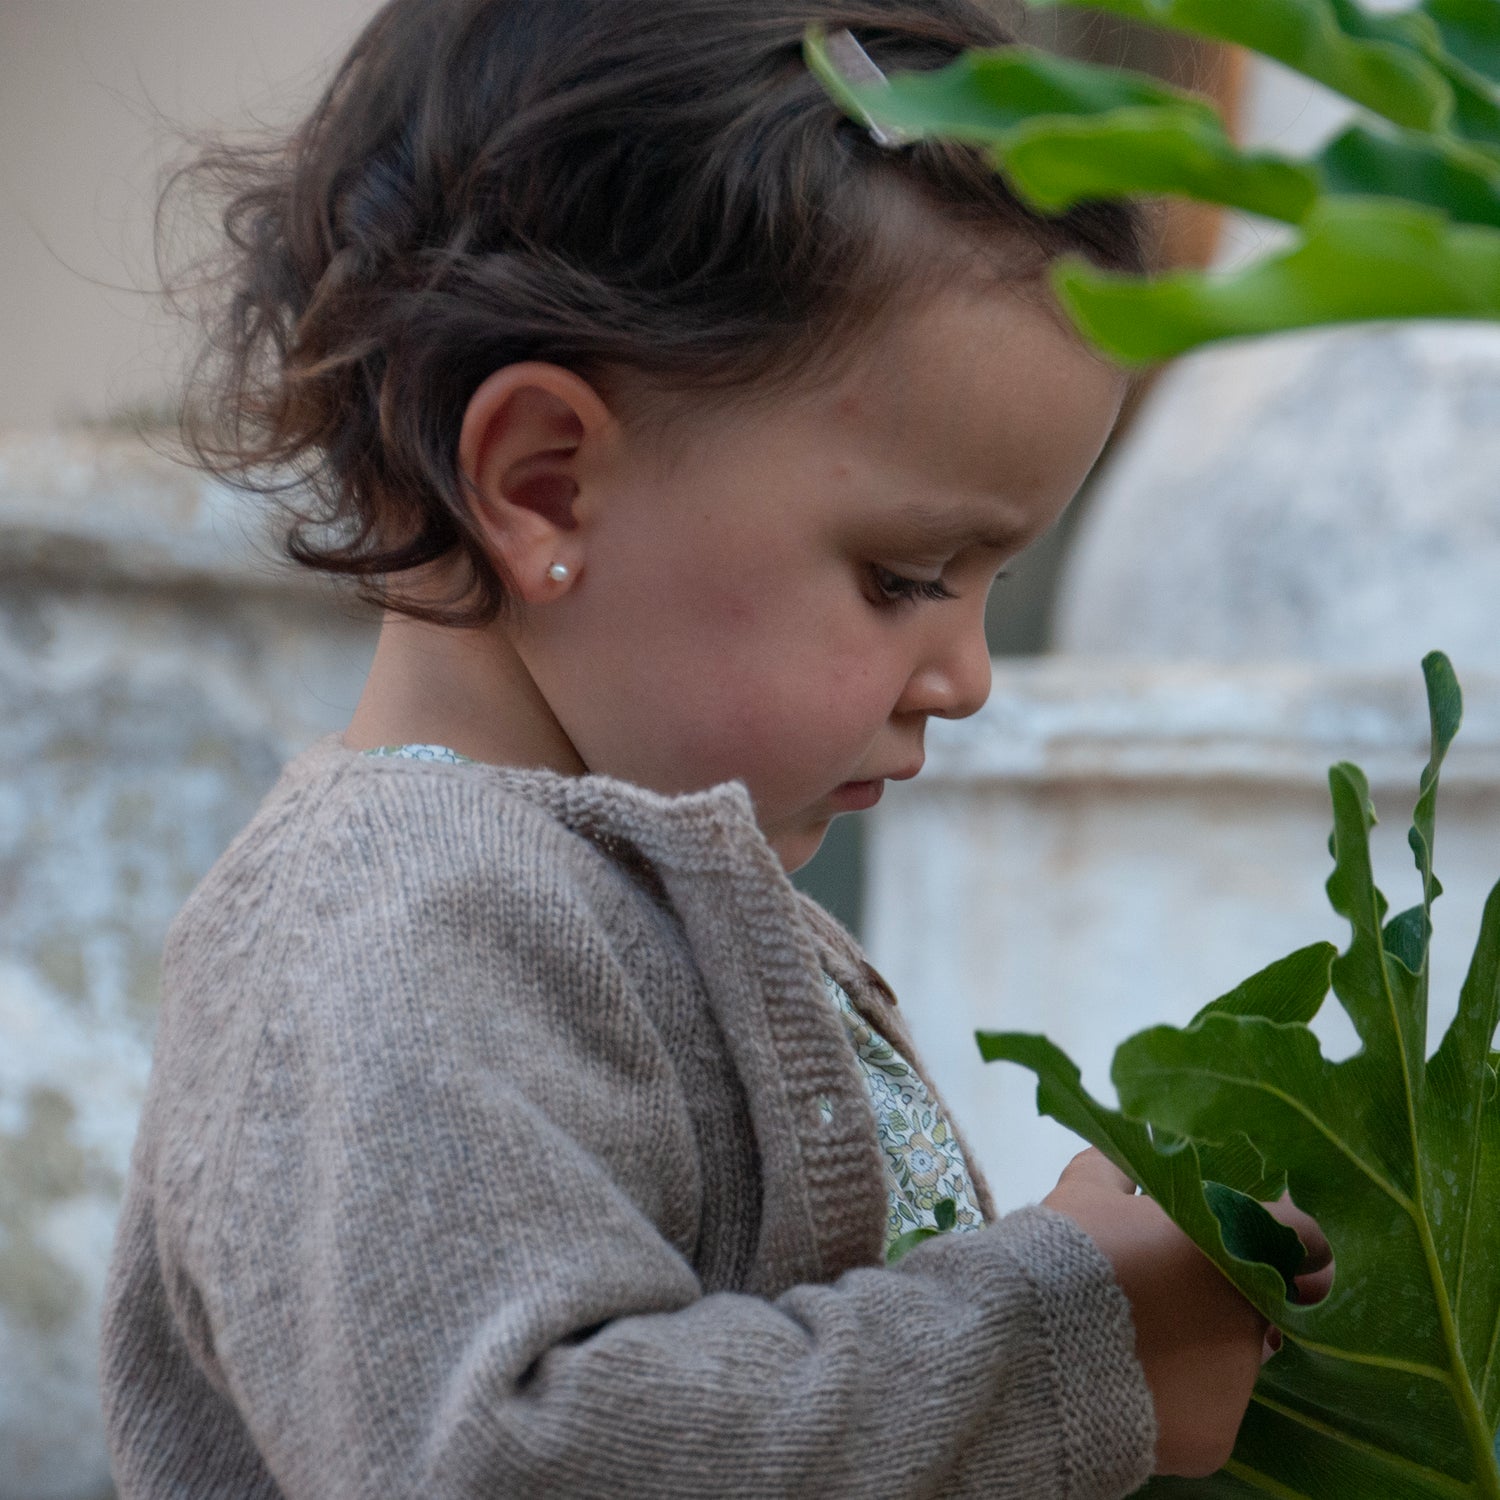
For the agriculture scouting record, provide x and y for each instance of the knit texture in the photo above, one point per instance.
(483, 1156)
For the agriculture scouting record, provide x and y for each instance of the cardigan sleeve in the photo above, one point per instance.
(428, 1232)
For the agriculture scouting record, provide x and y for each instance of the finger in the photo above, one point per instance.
(1094, 1168)
(1314, 1241)
(1315, 1285)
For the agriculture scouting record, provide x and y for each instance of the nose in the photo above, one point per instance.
(952, 681)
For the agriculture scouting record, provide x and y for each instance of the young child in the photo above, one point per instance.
(516, 1128)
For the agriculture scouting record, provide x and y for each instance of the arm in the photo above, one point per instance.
(452, 1258)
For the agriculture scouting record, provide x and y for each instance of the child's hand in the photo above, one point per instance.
(1199, 1342)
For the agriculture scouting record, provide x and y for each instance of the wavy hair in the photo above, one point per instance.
(648, 186)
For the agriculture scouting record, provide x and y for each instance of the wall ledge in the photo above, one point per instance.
(1072, 718)
(88, 507)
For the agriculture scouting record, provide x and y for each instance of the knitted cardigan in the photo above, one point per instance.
(483, 1156)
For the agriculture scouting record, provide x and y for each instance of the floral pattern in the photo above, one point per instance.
(924, 1164)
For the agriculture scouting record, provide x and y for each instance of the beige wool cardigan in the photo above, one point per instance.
(486, 1154)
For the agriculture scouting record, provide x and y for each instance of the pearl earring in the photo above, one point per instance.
(559, 573)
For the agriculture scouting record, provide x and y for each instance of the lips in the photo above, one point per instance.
(857, 796)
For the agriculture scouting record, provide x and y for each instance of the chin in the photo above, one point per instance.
(797, 848)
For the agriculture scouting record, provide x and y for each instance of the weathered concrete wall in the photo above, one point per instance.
(1326, 497)
(155, 672)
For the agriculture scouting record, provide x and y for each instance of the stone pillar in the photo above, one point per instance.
(157, 666)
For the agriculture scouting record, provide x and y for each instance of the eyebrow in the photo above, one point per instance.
(918, 522)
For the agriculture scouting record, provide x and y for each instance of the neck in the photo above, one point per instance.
(466, 689)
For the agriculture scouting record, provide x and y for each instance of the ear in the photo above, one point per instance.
(531, 438)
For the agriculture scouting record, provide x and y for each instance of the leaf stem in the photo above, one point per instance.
(1464, 1395)
(1461, 1387)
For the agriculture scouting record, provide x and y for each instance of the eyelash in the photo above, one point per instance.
(893, 589)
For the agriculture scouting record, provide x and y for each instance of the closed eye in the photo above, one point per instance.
(894, 588)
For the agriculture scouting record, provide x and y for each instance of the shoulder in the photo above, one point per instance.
(344, 837)
(436, 986)
(378, 906)
(387, 929)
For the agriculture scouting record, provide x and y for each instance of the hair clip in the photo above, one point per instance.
(858, 69)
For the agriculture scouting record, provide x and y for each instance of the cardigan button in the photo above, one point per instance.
(825, 1109)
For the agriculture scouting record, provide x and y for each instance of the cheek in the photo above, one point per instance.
(747, 669)
(789, 723)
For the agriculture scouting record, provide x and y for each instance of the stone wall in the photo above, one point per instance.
(157, 666)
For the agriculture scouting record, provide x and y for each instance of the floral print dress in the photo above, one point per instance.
(924, 1163)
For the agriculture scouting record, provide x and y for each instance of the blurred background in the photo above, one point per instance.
(1135, 823)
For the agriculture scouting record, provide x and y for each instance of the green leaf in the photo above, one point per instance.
(1251, 1234)
(1444, 82)
(1309, 36)
(1470, 30)
(1445, 711)
(1066, 131)
(1361, 260)
(1476, 106)
(1166, 1169)
(1476, 112)
(1390, 1387)
(904, 1244)
(983, 94)
(1381, 997)
(1429, 170)
(1059, 162)
(1238, 1165)
(945, 1213)
(1290, 990)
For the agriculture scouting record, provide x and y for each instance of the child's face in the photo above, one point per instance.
(743, 609)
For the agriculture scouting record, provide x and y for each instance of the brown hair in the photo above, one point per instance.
(657, 186)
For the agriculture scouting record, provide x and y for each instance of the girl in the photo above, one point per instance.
(515, 1128)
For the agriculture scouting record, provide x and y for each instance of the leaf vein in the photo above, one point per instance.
(1256, 1480)
(1375, 1361)
(1331, 1136)
(1386, 1455)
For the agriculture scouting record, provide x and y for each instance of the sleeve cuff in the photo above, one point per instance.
(1108, 1418)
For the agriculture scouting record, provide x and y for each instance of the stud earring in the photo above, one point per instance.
(559, 573)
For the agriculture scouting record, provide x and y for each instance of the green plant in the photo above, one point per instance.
(1399, 217)
(1390, 1387)
(946, 1215)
